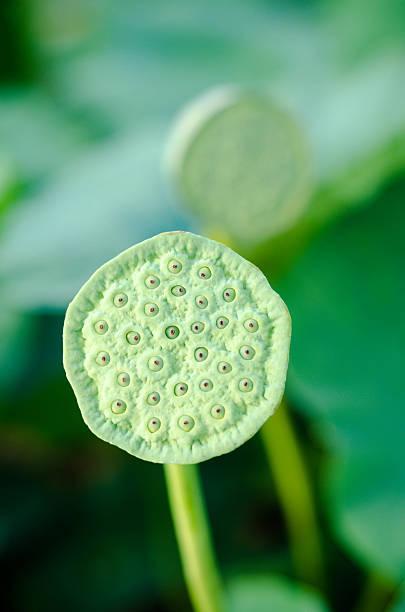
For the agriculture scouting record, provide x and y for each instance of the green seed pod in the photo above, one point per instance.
(177, 390)
(240, 149)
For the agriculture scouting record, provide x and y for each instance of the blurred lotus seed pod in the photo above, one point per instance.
(196, 377)
(242, 164)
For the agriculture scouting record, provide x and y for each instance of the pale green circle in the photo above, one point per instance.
(120, 300)
(180, 389)
(101, 327)
(171, 370)
(172, 332)
(247, 352)
(206, 385)
(218, 411)
(174, 266)
(251, 325)
(152, 282)
(178, 291)
(123, 379)
(222, 322)
(155, 363)
(197, 327)
(153, 398)
(201, 301)
(103, 358)
(245, 385)
(118, 406)
(133, 337)
(186, 422)
(151, 309)
(154, 424)
(242, 163)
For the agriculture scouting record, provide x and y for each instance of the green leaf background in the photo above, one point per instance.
(85, 120)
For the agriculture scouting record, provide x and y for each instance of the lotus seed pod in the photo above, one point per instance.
(241, 150)
(177, 386)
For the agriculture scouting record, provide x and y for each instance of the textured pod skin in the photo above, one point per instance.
(153, 372)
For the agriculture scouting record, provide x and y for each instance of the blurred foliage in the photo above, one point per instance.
(342, 293)
(255, 592)
(88, 94)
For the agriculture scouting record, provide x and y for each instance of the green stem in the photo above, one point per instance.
(376, 595)
(296, 497)
(194, 537)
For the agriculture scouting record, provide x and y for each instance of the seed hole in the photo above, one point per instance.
(172, 331)
(201, 301)
(229, 294)
(174, 266)
(247, 352)
(197, 327)
(251, 325)
(245, 385)
(218, 411)
(186, 422)
(222, 322)
(152, 282)
(204, 273)
(178, 290)
(154, 424)
(200, 353)
(118, 406)
(123, 379)
(101, 327)
(133, 337)
(151, 309)
(206, 385)
(120, 300)
(224, 367)
(153, 398)
(103, 358)
(180, 389)
(155, 364)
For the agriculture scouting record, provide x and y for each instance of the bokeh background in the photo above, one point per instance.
(89, 92)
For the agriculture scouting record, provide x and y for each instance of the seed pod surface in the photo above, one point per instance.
(166, 393)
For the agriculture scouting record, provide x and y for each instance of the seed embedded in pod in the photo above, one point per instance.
(245, 385)
(222, 322)
(133, 337)
(206, 384)
(224, 367)
(180, 389)
(200, 353)
(151, 282)
(204, 273)
(229, 294)
(251, 325)
(120, 300)
(153, 398)
(218, 411)
(123, 379)
(154, 424)
(101, 327)
(151, 309)
(174, 266)
(178, 291)
(103, 358)
(172, 331)
(197, 327)
(247, 352)
(118, 406)
(201, 301)
(186, 422)
(155, 363)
